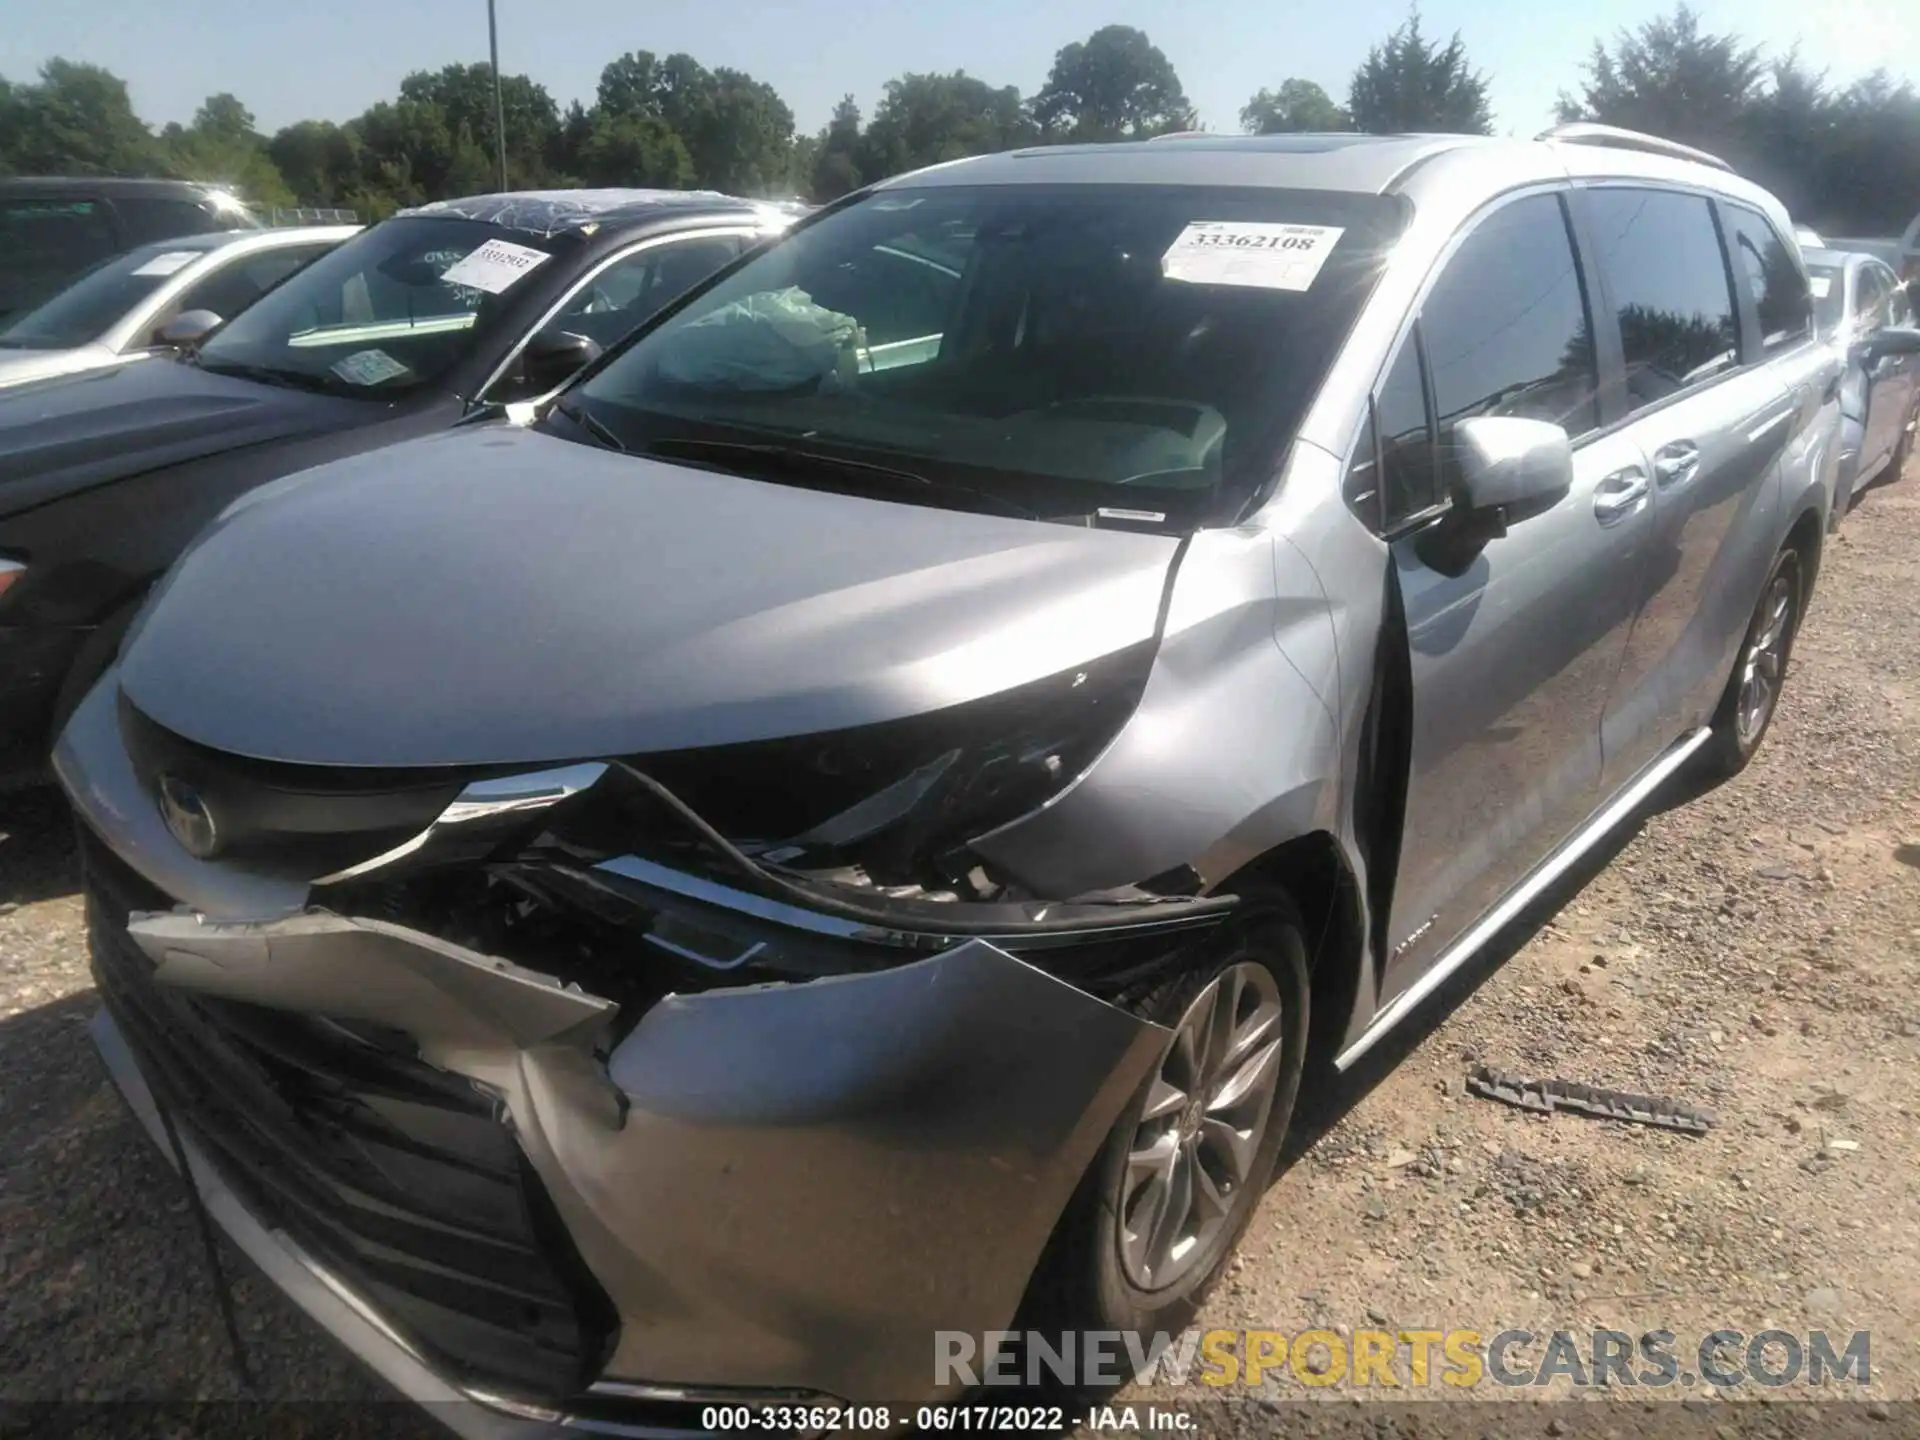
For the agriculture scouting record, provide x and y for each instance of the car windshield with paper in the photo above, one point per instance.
(1128, 353)
(101, 298)
(391, 310)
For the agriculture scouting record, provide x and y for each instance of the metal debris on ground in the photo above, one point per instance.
(1550, 1096)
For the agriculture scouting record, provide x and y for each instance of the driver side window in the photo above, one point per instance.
(633, 289)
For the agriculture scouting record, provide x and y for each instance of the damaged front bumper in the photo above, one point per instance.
(768, 1189)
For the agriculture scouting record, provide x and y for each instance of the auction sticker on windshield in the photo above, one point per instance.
(171, 261)
(495, 266)
(1253, 253)
(368, 367)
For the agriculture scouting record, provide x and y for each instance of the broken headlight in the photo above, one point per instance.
(893, 804)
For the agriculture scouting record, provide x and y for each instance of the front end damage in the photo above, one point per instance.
(578, 1097)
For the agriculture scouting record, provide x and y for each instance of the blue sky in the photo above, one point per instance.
(332, 58)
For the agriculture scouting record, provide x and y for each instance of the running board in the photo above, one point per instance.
(1536, 884)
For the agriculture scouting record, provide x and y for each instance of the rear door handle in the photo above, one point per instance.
(1621, 494)
(1675, 463)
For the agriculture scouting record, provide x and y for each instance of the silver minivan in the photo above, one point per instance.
(857, 815)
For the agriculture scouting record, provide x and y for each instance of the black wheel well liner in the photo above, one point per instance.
(1804, 538)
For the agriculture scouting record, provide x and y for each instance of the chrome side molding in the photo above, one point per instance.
(1558, 863)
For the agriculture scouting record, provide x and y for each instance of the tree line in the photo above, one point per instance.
(1846, 158)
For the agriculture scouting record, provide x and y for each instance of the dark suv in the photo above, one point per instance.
(52, 229)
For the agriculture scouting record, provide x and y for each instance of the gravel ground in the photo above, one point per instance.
(1756, 951)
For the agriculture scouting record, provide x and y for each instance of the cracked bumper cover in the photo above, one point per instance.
(779, 1187)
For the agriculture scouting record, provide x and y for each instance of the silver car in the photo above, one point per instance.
(155, 298)
(859, 815)
(1854, 298)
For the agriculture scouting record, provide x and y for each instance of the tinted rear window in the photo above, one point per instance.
(1660, 253)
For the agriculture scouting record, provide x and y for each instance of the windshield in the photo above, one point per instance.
(101, 298)
(1829, 296)
(1062, 349)
(394, 308)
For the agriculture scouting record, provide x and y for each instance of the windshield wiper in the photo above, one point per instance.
(788, 461)
(596, 428)
(268, 375)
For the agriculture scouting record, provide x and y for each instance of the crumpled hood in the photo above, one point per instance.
(496, 595)
(70, 432)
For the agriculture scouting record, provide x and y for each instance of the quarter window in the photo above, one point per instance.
(1776, 282)
(1660, 254)
(1392, 476)
(1506, 325)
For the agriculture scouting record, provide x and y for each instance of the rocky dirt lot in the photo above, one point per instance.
(1756, 952)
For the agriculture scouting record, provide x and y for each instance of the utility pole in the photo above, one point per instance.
(499, 106)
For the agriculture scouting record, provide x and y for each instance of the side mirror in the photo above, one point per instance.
(1887, 341)
(552, 358)
(1507, 463)
(188, 329)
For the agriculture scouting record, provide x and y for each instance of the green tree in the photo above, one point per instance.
(319, 160)
(1298, 105)
(737, 131)
(1114, 85)
(221, 145)
(927, 119)
(1670, 79)
(1870, 177)
(77, 120)
(1409, 84)
(836, 167)
(461, 97)
(635, 150)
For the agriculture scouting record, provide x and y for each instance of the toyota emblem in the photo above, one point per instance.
(188, 817)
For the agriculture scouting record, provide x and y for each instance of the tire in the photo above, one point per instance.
(1109, 1268)
(1759, 671)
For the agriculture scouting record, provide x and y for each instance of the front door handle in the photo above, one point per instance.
(1675, 463)
(1621, 494)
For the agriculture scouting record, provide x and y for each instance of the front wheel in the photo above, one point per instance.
(1753, 693)
(1171, 1191)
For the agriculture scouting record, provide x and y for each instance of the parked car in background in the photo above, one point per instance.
(155, 298)
(1856, 297)
(847, 821)
(1908, 265)
(438, 314)
(54, 228)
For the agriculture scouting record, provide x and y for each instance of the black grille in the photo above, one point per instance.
(398, 1177)
(306, 819)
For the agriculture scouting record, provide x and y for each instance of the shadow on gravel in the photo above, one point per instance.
(1327, 1095)
(38, 860)
(107, 1314)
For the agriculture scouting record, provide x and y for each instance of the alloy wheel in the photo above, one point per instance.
(1765, 660)
(1201, 1128)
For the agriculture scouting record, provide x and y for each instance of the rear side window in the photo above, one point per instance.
(159, 219)
(1506, 325)
(1659, 251)
(1766, 266)
(44, 244)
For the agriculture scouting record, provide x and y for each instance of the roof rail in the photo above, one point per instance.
(1587, 132)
